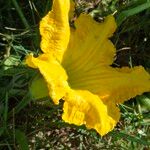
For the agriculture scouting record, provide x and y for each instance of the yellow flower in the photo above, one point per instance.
(76, 67)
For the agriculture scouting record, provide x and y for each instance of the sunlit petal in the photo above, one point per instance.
(53, 73)
(82, 107)
(54, 29)
(89, 44)
(113, 84)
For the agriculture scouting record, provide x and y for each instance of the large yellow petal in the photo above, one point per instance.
(53, 73)
(72, 9)
(89, 56)
(54, 29)
(89, 44)
(112, 84)
(83, 107)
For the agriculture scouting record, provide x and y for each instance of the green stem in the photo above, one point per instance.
(20, 13)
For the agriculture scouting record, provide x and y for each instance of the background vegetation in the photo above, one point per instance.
(27, 124)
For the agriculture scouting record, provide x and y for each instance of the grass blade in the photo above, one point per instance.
(6, 107)
(21, 140)
(127, 13)
(22, 17)
(22, 104)
(130, 138)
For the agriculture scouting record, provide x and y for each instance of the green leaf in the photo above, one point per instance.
(11, 60)
(127, 13)
(21, 140)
